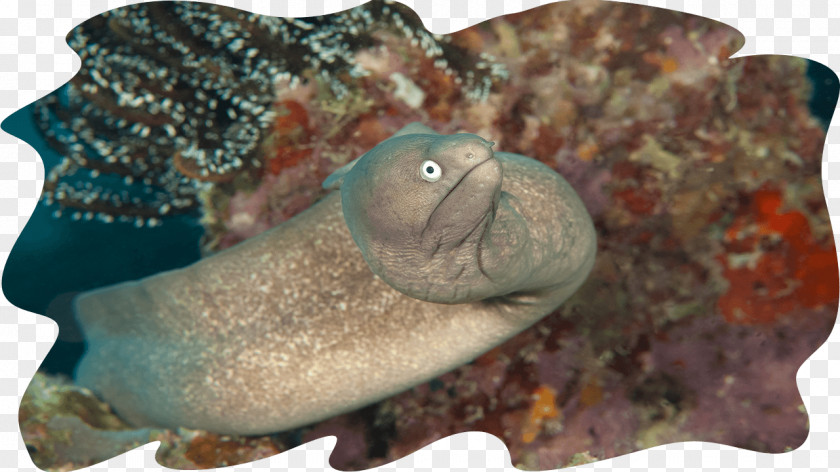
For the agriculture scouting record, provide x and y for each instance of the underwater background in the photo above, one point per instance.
(96, 253)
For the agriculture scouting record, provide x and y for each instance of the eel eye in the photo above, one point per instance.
(430, 170)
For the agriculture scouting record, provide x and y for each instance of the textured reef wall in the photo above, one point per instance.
(716, 275)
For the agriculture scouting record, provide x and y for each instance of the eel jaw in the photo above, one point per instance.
(463, 209)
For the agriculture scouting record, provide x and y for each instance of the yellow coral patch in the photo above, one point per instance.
(544, 407)
(669, 64)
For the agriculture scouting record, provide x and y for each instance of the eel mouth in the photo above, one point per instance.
(484, 169)
(468, 206)
(491, 161)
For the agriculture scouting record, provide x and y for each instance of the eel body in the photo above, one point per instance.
(304, 322)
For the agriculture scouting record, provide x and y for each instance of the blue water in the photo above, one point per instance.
(57, 257)
(824, 97)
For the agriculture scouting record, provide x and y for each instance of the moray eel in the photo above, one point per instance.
(433, 250)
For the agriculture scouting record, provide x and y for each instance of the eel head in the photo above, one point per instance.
(420, 206)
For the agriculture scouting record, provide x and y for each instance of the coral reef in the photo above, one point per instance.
(175, 98)
(717, 271)
(65, 428)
